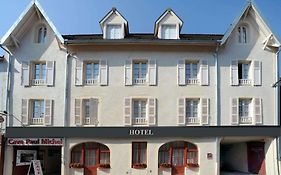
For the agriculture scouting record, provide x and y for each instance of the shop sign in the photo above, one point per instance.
(36, 167)
(140, 132)
(36, 141)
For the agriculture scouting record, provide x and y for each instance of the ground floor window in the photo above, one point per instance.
(139, 154)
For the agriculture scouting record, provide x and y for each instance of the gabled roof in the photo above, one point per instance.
(169, 10)
(250, 4)
(111, 12)
(33, 6)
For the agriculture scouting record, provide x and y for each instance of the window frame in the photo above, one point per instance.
(20, 153)
(41, 34)
(92, 80)
(243, 34)
(139, 164)
(242, 107)
(170, 28)
(192, 100)
(143, 119)
(108, 33)
(142, 77)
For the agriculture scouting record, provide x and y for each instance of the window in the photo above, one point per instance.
(192, 110)
(42, 33)
(39, 74)
(244, 112)
(24, 157)
(86, 111)
(168, 31)
(242, 34)
(139, 111)
(113, 31)
(243, 73)
(139, 154)
(191, 72)
(140, 72)
(92, 73)
(38, 112)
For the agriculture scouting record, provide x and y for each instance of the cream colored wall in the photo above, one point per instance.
(123, 148)
(251, 51)
(3, 82)
(8, 163)
(167, 91)
(31, 51)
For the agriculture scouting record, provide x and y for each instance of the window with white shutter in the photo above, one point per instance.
(140, 113)
(92, 73)
(234, 111)
(25, 81)
(128, 72)
(151, 111)
(204, 69)
(127, 111)
(78, 114)
(50, 72)
(39, 73)
(205, 114)
(181, 72)
(234, 73)
(181, 111)
(258, 110)
(103, 72)
(140, 72)
(90, 108)
(191, 72)
(24, 111)
(152, 72)
(48, 112)
(78, 73)
(257, 73)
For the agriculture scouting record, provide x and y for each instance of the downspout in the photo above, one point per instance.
(278, 140)
(66, 89)
(215, 54)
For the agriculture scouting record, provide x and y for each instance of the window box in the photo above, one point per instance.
(105, 166)
(192, 165)
(140, 165)
(165, 165)
(76, 165)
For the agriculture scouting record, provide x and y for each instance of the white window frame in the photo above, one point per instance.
(41, 80)
(140, 119)
(192, 119)
(242, 107)
(93, 80)
(114, 27)
(193, 79)
(20, 153)
(41, 34)
(243, 34)
(35, 120)
(169, 28)
(140, 79)
(244, 80)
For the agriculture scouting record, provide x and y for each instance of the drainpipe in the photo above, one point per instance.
(215, 54)
(278, 140)
(66, 90)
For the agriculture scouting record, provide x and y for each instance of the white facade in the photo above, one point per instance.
(85, 82)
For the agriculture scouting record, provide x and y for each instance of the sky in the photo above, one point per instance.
(199, 16)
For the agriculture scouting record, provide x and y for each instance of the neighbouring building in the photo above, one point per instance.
(131, 104)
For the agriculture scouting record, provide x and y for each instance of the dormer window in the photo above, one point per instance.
(243, 34)
(41, 34)
(113, 31)
(168, 31)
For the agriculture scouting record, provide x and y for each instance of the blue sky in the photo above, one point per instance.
(199, 16)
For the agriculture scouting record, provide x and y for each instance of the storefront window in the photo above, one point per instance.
(24, 157)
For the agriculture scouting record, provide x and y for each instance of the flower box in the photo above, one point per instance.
(165, 165)
(192, 165)
(104, 165)
(139, 165)
(76, 165)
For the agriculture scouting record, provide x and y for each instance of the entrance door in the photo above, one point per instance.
(91, 162)
(178, 161)
(256, 158)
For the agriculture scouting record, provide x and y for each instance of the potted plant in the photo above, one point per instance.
(165, 165)
(76, 165)
(104, 165)
(139, 165)
(192, 165)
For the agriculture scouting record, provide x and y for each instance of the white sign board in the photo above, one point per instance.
(36, 167)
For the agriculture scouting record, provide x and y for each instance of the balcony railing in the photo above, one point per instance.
(192, 120)
(139, 80)
(244, 82)
(192, 81)
(91, 81)
(245, 120)
(139, 121)
(38, 82)
(37, 121)
(87, 121)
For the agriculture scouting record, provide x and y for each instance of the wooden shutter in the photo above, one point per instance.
(205, 111)
(258, 110)
(128, 73)
(103, 72)
(79, 73)
(257, 73)
(152, 111)
(48, 112)
(204, 69)
(234, 111)
(50, 72)
(25, 77)
(152, 72)
(24, 111)
(94, 111)
(181, 111)
(127, 111)
(234, 73)
(181, 72)
(78, 112)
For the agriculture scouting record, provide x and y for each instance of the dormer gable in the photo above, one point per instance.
(114, 25)
(168, 25)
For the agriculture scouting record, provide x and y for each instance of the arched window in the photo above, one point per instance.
(91, 155)
(178, 154)
(41, 34)
(243, 34)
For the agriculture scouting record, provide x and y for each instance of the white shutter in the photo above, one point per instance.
(181, 111)
(258, 110)
(234, 73)
(205, 111)
(128, 72)
(127, 111)
(234, 111)
(50, 72)
(78, 112)
(152, 72)
(94, 111)
(24, 111)
(103, 72)
(181, 72)
(204, 69)
(152, 111)
(25, 74)
(79, 73)
(48, 112)
(257, 73)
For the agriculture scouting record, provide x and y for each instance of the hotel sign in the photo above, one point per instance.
(140, 132)
(35, 141)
